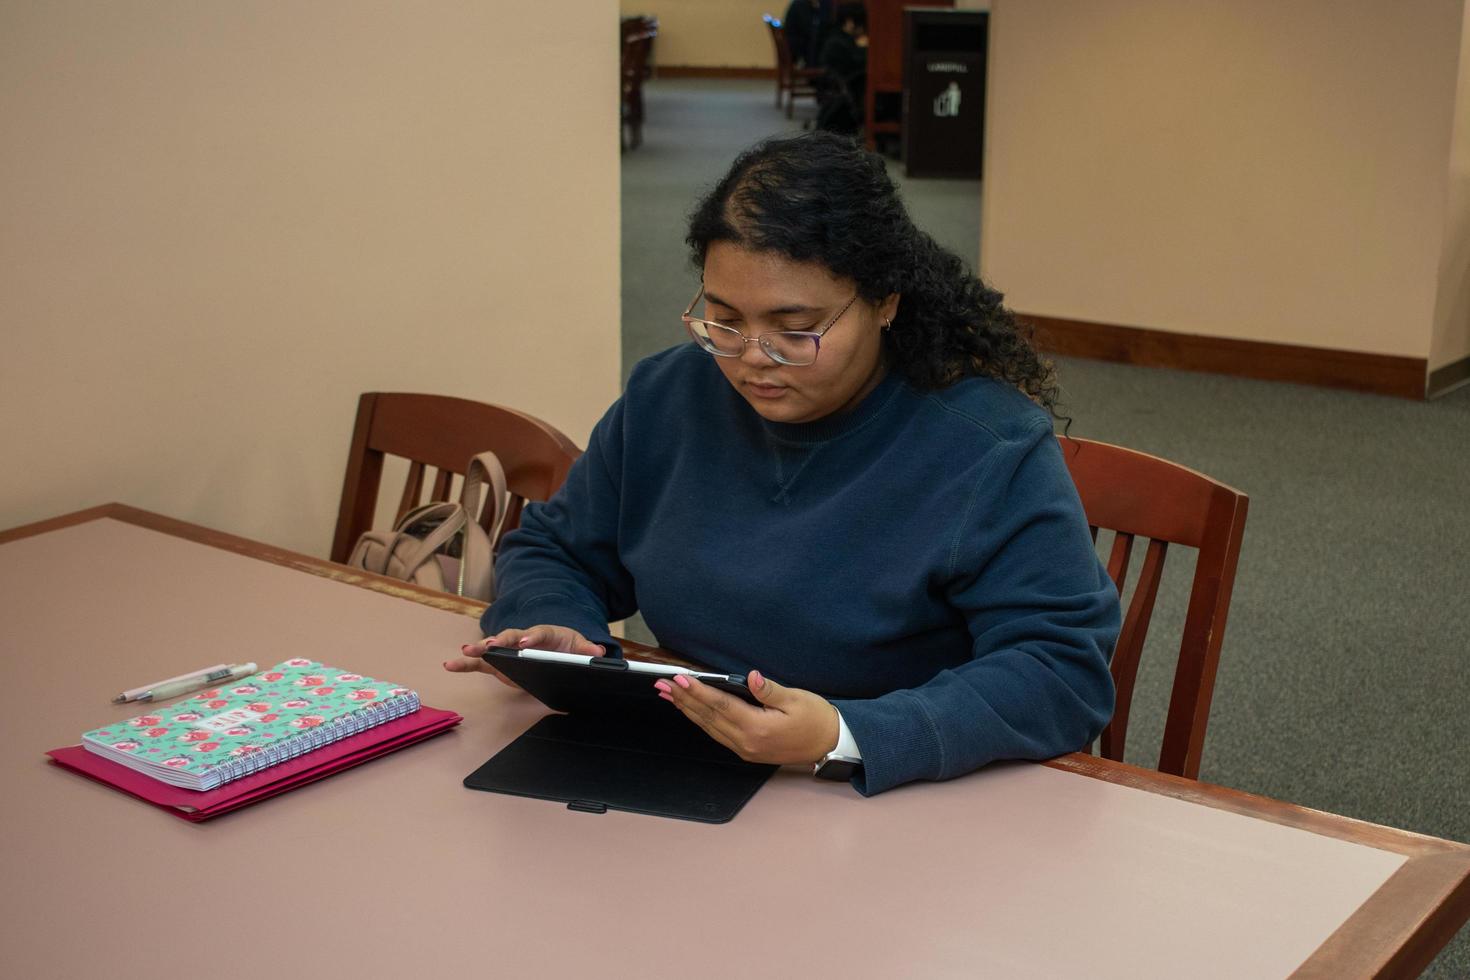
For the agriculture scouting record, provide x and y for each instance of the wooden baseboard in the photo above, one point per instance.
(1451, 376)
(701, 71)
(1382, 374)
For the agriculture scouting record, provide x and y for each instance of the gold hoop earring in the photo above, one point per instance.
(887, 323)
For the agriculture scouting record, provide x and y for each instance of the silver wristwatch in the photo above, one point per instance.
(834, 765)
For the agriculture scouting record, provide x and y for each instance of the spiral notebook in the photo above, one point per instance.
(226, 733)
(196, 806)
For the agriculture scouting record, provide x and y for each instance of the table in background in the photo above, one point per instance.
(1077, 867)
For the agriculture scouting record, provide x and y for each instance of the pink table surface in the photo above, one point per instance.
(394, 868)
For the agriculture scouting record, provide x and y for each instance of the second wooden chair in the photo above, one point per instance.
(440, 434)
(1136, 495)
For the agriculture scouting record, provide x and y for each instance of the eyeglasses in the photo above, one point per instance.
(794, 347)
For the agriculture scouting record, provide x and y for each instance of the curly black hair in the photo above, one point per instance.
(822, 197)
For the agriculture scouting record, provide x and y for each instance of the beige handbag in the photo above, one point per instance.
(442, 545)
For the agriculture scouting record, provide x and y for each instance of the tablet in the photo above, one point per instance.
(600, 685)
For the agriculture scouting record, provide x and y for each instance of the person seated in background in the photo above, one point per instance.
(844, 57)
(805, 25)
(846, 489)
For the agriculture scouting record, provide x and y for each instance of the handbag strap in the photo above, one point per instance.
(451, 523)
(484, 469)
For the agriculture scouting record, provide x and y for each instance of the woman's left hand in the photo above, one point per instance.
(792, 727)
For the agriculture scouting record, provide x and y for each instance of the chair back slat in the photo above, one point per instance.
(1204, 630)
(444, 433)
(1129, 651)
(413, 490)
(1118, 560)
(1134, 494)
(442, 480)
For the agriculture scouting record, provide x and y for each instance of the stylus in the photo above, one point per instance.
(639, 666)
(566, 658)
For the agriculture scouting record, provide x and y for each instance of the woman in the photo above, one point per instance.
(848, 481)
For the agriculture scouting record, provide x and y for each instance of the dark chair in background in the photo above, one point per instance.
(637, 36)
(442, 433)
(638, 24)
(1136, 495)
(791, 82)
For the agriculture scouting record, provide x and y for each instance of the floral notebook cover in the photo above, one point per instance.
(221, 734)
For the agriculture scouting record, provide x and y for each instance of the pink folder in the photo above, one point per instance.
(194, 805)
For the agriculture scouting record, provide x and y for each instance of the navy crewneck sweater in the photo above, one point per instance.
(922, 561)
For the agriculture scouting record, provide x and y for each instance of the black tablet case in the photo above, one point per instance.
(618, 746)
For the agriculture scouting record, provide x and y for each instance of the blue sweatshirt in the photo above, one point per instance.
(922, 561)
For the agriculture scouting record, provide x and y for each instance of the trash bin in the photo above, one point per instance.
(944, 91)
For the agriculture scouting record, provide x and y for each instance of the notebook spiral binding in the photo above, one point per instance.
(313, 738)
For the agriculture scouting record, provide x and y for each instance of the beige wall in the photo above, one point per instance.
(711, 33)
(221, 222)
(1253, 169)
(1451, 337)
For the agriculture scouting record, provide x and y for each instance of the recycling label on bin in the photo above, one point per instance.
(947, 103)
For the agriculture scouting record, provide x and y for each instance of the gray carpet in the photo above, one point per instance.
(1342, 684)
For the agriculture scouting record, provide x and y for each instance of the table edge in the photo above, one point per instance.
(1385, 938)
(200, 534)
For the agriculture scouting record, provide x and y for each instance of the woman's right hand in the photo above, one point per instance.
(559, 639)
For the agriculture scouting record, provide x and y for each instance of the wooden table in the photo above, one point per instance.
(1077, 867)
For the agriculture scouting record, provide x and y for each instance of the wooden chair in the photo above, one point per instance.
(791, 82)
(634, 25)
(633, 70)
(442, 433)
(1140, 496)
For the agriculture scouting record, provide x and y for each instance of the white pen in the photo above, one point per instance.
(162, 692)
(216, 672)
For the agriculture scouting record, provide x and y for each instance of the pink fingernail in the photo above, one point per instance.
(662, 686)
(756, 680)
(666, 697)
(681, 680)
(524, 641)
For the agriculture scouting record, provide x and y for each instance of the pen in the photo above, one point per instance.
(216, 672)
(162, 692)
